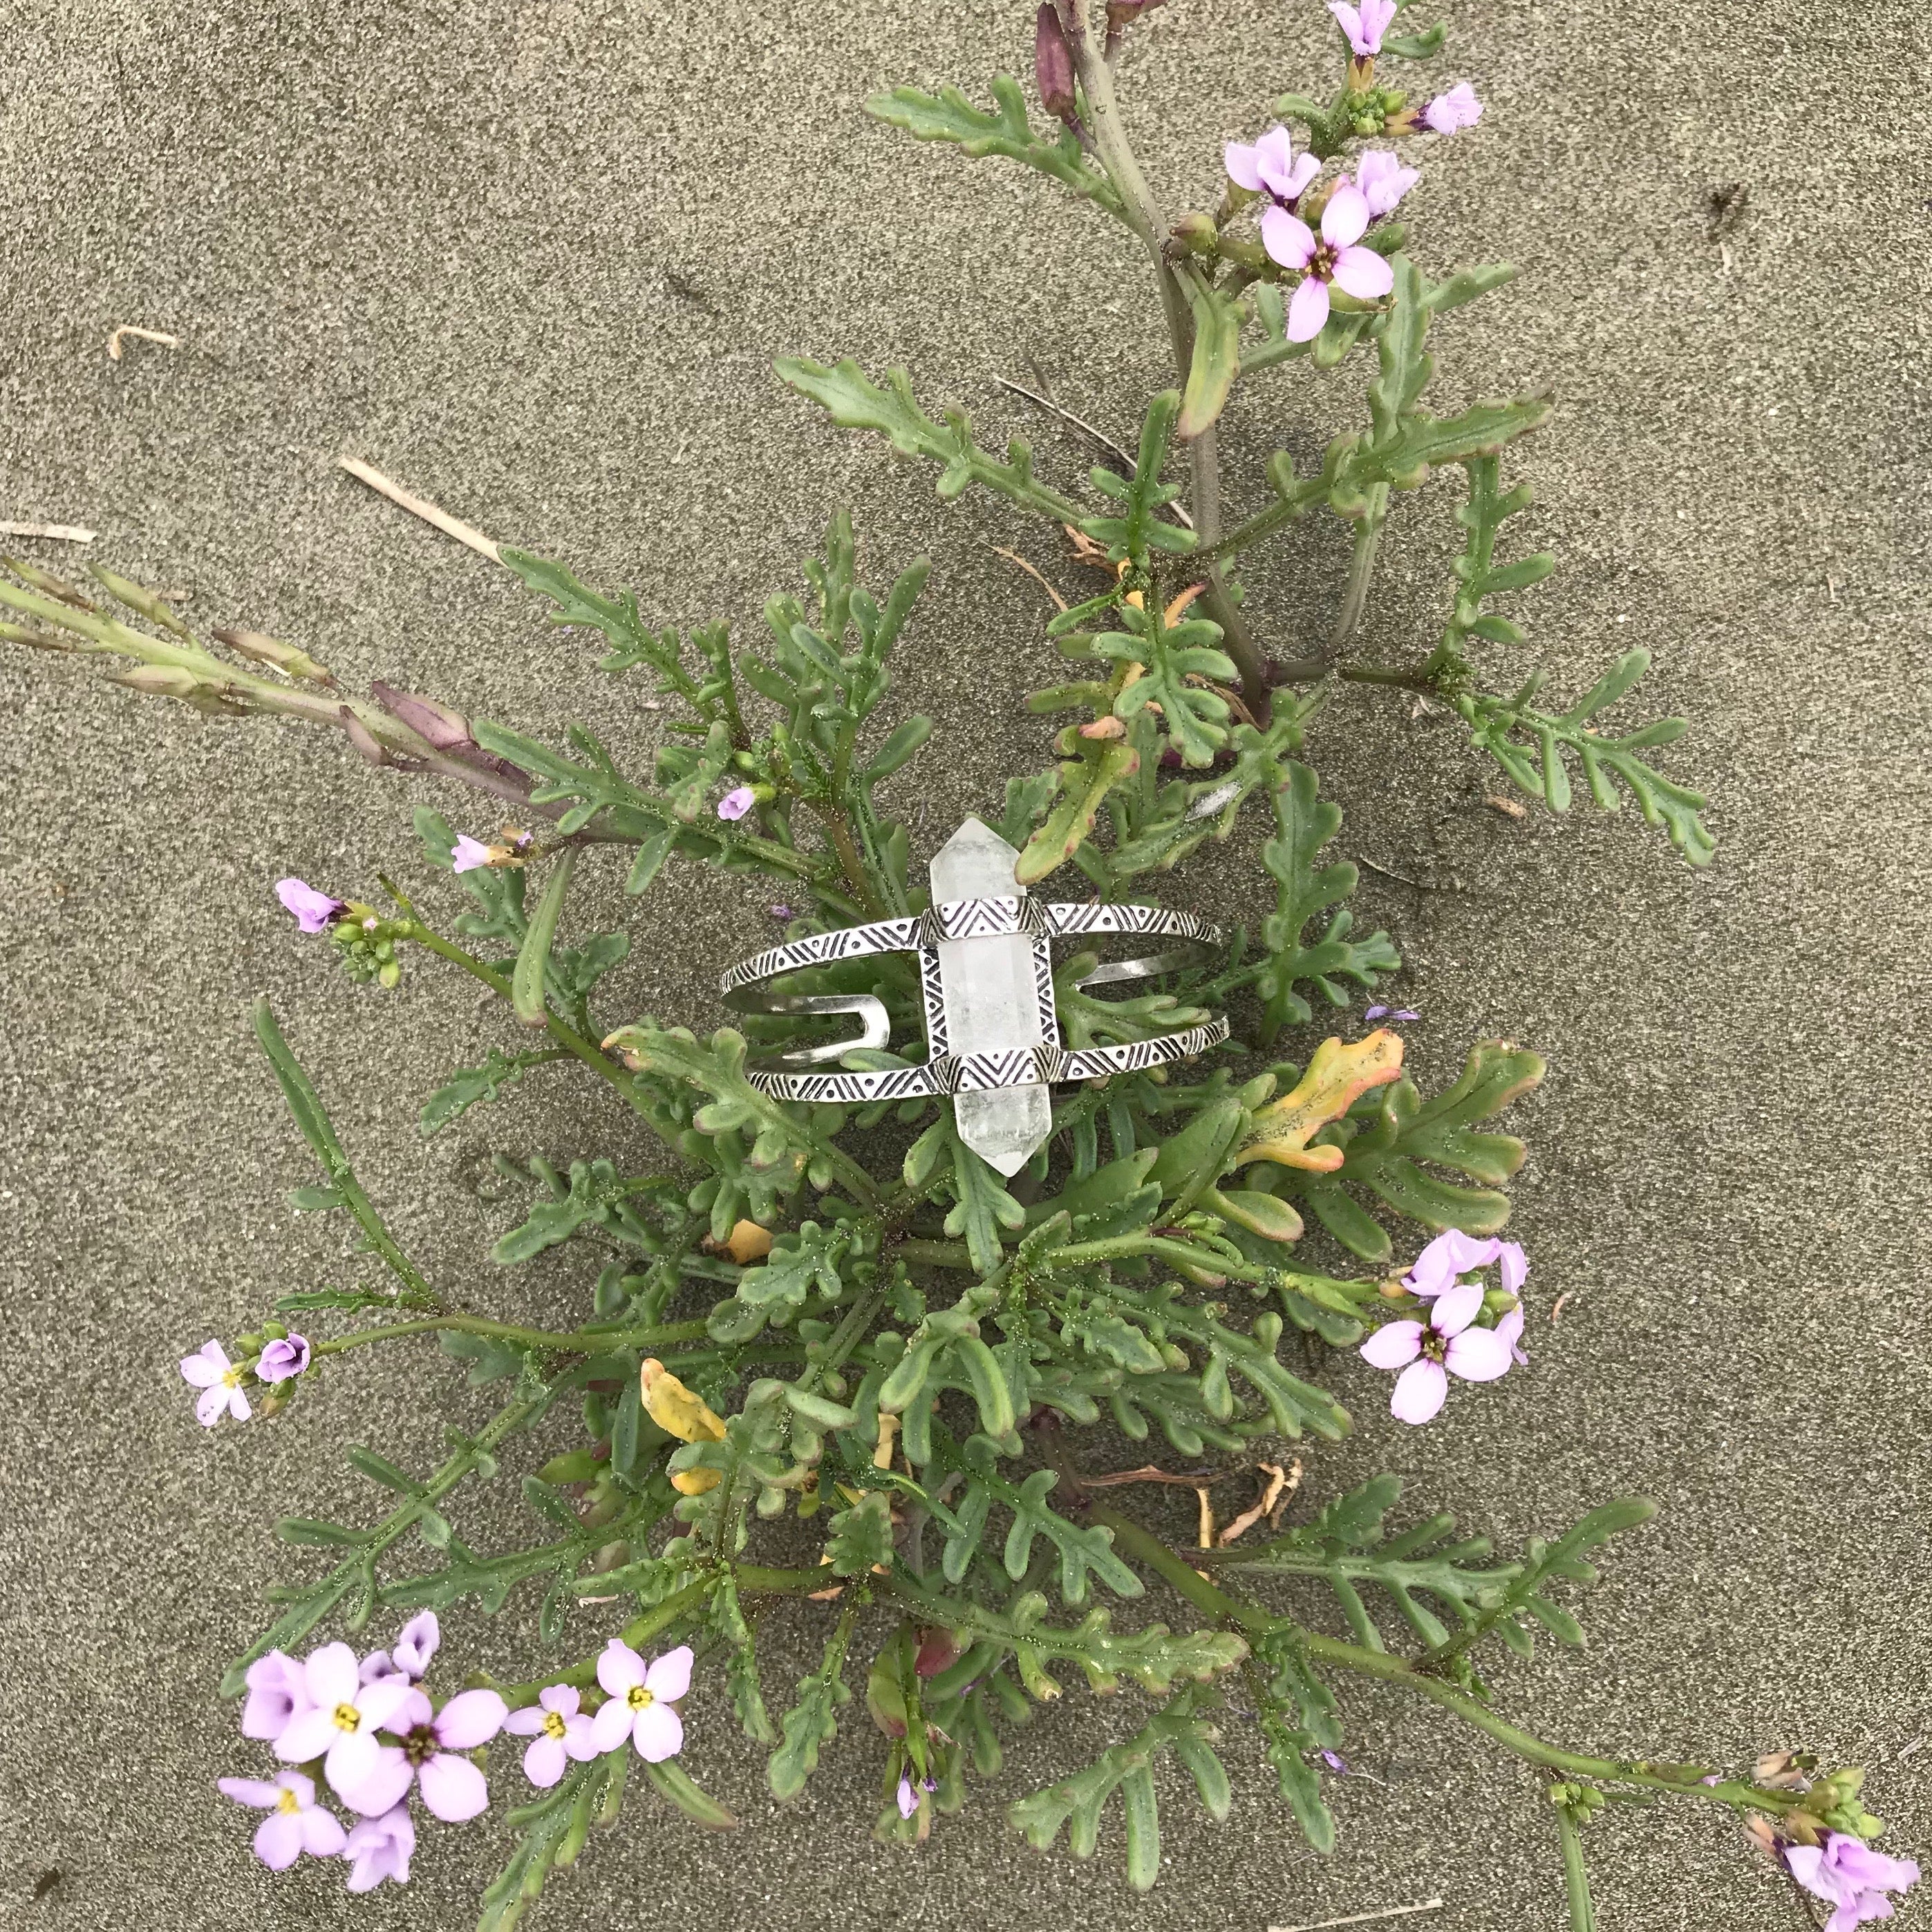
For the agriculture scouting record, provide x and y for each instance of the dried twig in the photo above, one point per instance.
(1556, 1308)
(1401, 878)
(140, 335)
(1189, 1479)
(1014, 556)
(1364, 1918)
(1099, 437)
(1204, 1533)
(73, 533)
(1278, 1486)
(419, 506)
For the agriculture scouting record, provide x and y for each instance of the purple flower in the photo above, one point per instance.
(736, 803)
(418, 1644)
(1383, 180)
(1451, 1256)
(469, 855)
(641, 1697)
(343, 1716)
(1336, 258)
(452, 1787)
(1271, 167)
(295, 1822)
(1364, 26)
(559, 1732)
(220, 1382)
(1391, 1013)
(314, 911)
(1450, 113)
(783, 912)
(413, 1650)
(1428, 1353)
(283, 1359)
(277, 1692)
(908, 1798)
(1335, 1762)
(380, 1848)
(1848, 1874)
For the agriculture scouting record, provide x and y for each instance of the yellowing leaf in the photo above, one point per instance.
(1336, 1077)
(694, 1482)
(749, 1242)
(672, 1407)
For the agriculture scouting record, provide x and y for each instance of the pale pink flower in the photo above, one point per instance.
(380, 1848)
(641, 1697)
(295, 1822)
(737, 802)
(413, 1650)
(277, 1690)
(469, 855)
(1365, 25)
(1428, 1352)
(908, 1798)
(314, 911)
(1850, 1876)
(1450, 113)
(558, 1730)
(1273, 168)
(343, 1716)
(430, 1754)
(220, 1382)
(1452, 1254)
(1336, 257)
(1383, 180)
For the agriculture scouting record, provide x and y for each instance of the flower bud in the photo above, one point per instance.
(1197, 233)
(164, 681)
(1124, 13)
(285, 658)
(1053, 64)
(448, 730)
(363, 739)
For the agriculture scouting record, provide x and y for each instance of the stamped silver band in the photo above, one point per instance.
(944, 1072)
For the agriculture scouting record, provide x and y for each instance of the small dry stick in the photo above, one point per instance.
(1191, 1479)
(72, 533)
(1206, 1532)
(139, 335)
(1013, 556)
(419, 506)
(1557, 1308)
(1364, 1918)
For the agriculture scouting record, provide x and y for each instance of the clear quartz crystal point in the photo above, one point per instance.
(990, 1005)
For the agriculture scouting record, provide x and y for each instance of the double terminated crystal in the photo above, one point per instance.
(991, 1004)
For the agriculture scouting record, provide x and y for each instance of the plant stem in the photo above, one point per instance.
(1576, 1874)
(1129, 1537)
(1145, 218)
(579, 1341)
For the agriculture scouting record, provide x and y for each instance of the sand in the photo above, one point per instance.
(535, 261)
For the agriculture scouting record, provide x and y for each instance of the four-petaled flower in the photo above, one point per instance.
(340, 1724)
(1272, 167)
(220, 1382)
(281, 1359)
(295, 1822)
(640, 1700)
(737, 802)
(1849, 1875)
(1428, 1352)
(1365, 25)
(558, 1730)
(314, 911)
(1450, 113)
(452, 1787)
(1336, 258)
(1383, 180)
(380, 1848)
(277, 1690)
(469, 855)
